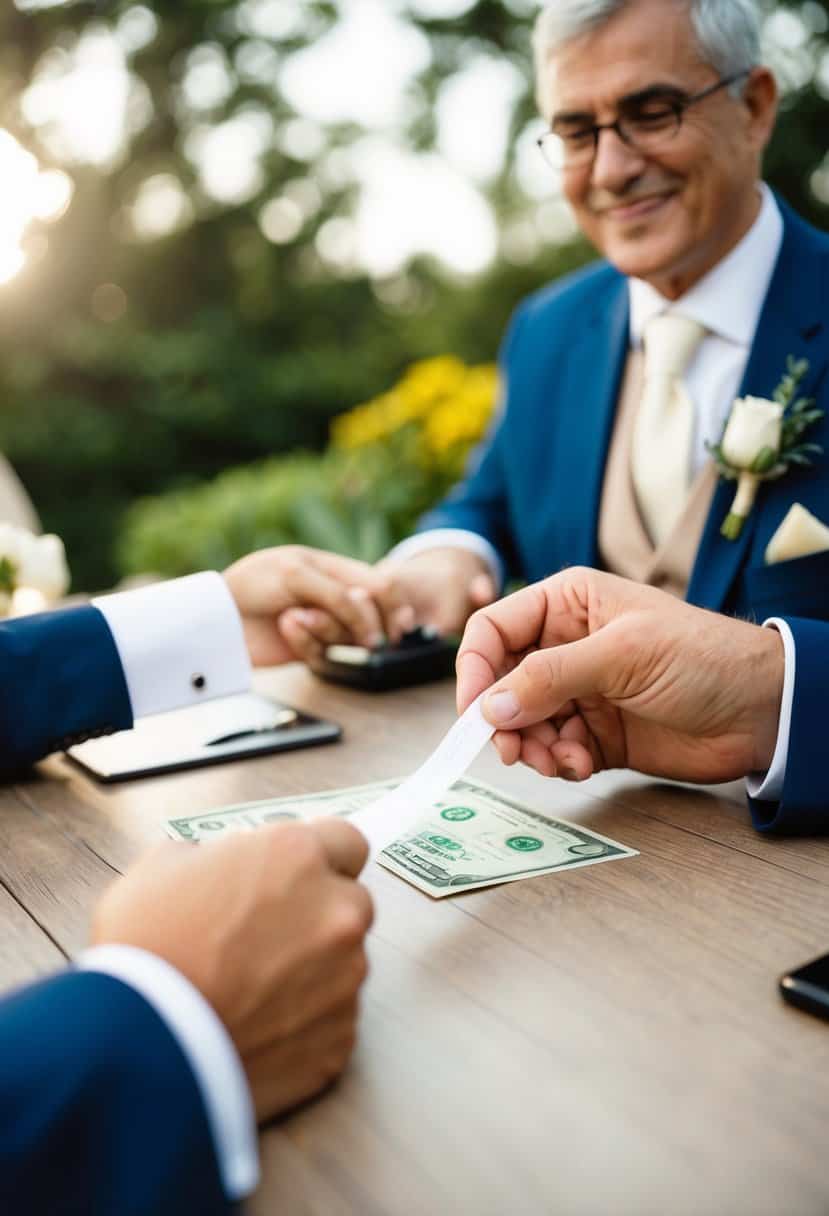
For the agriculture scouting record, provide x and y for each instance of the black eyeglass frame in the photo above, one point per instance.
(678, 104)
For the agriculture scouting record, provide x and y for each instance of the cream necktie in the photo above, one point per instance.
(662, 436)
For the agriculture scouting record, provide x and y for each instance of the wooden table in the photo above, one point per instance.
(608, 1040)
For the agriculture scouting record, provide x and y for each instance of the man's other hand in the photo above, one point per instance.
(330, 596)
(439, 588)
(270, 927)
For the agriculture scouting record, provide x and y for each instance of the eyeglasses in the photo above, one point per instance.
(646, 123)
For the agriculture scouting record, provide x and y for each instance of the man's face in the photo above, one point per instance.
(666, 217)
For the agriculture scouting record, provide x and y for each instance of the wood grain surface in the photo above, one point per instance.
(608, 1040)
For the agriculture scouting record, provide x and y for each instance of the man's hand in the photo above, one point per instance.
(440, 588)
(590, 671)
(332, 596)
(270, 927)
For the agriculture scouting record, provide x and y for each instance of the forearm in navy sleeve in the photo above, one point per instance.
(62, 681)
(99, 1111)
(479, 502)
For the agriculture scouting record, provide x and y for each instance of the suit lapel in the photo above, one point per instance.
(790, 321)
(594, 377)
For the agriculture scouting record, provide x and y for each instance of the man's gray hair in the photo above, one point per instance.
(727, 31)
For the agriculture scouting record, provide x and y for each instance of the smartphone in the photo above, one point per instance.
(808, 986)
(418, 658)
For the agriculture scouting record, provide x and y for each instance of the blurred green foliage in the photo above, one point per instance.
(331, 501)
(390, 459)
(233, 349)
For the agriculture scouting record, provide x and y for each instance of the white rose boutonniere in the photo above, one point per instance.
(761, 441)
(754, 425)
(36, 563)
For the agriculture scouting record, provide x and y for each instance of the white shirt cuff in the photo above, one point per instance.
(206, 1046)
(451, 538)
(769, 788)
(179, 642)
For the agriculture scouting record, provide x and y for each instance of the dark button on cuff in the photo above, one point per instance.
(198, 682)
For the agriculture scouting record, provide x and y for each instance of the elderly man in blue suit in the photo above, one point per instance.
(616, 379)
(132, 1083)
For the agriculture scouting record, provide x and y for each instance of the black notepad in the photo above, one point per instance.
(229, 728)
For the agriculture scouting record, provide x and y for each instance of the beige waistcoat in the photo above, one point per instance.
(625, 546)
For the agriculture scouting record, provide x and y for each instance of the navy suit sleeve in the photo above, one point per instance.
(62, 682)
(479, 503)
(99, 1111)
(804, 806)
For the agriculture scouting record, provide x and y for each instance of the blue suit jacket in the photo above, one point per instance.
(804, 804)
(535, 486)
(99, 1111)
(63, 683)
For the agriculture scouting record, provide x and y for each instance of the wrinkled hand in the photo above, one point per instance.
(270, 927)
(588, 671)
(328, 592)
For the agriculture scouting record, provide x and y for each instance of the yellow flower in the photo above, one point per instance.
(449, 404)
(431, 379)
(462, 420)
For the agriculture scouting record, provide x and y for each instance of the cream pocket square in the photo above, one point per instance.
(800, 534)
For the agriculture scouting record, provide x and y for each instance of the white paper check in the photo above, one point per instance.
(391, 816)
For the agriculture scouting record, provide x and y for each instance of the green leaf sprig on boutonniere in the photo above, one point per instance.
(762, 440)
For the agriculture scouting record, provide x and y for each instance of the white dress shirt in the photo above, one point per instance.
(727, 302)
(180, 643)
(770, 786)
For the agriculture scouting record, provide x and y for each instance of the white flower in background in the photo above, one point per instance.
(43, 566)
(755, 427)
(11, 543)
(10, 557)
(31, 563)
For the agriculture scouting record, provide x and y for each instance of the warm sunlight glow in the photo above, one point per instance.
(12, 260)
(80, 99)
(27, 194)
(450, 220)
(358, 71)
(160, 207)
(228, 155)
(51, 195)
(85, 105)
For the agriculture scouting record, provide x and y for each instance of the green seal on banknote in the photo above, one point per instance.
(525, 844)
(457, 813)
(443, 842)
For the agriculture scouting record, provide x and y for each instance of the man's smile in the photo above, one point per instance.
(637, 209)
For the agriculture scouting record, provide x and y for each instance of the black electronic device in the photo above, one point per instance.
(420, 657)
(808, 986)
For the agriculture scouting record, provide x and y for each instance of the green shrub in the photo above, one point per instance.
(392, 458)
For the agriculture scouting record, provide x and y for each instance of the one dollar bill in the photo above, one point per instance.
(474, 836)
